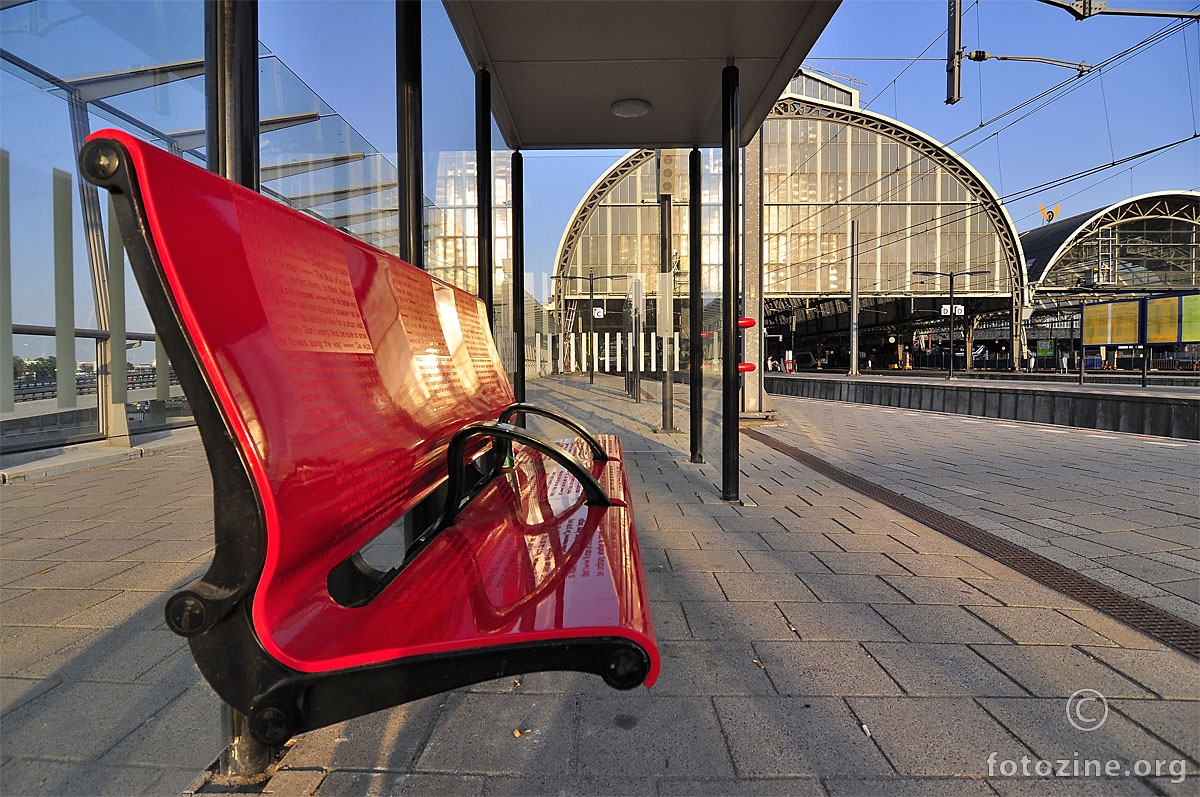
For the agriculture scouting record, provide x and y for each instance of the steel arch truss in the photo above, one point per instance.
(583, 214)
(1010, 245)
(1183, 207)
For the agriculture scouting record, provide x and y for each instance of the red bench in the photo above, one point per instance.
(341, 393)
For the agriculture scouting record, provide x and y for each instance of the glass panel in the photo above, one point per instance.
(448, 136)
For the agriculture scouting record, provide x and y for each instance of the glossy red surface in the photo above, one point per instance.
(343, 372)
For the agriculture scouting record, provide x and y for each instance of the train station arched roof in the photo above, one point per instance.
(1146, 243)
(824, 163)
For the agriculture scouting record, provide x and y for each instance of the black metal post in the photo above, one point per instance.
(695, 310)
(1082, 349)
(730, 262)
(853, 299)
(952, 276)
(231, 121)
(518, 266)
(590, 347)
(1145, 364)
(483, 189)
(231, 95)
(408, 132)
(666, 305)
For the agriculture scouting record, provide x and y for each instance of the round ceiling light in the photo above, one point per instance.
(630, 109)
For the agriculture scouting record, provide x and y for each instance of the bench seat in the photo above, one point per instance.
(341, 393)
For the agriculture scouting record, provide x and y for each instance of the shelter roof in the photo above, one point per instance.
(557, 67)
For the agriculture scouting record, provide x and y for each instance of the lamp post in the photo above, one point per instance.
(951, 275)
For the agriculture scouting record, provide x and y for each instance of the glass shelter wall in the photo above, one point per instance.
(73, 67)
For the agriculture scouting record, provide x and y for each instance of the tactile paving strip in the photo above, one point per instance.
(1142, 616)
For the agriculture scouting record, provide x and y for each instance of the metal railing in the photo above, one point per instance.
(43, 409)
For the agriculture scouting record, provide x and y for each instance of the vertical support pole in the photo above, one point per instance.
(695, 311)
(666, 309)
(1146, 352)
(93, 237)
(752, 286)
(853, 298)
(636, 351)
(954, 52)
(1014, 331)
(730, 261)
(6, 317)
(64, 292)
(483, 188)
(231, 88)
(518, 280)
(232, 130)
(590, 349)
(952, 275)
(408, 132)
(118, 421)
(1082, 350)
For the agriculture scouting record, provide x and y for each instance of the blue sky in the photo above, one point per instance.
(1148, 100)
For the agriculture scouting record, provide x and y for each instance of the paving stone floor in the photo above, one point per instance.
(816, 642)
(1123, 509)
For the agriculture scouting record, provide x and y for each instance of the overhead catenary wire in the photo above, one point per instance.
(1077, 80)
(976, 209)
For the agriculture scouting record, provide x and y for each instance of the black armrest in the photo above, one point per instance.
(510, 414)
(456, 501)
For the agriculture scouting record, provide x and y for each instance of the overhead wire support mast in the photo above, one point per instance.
(1080, 9)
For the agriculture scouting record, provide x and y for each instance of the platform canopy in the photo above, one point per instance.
(559, 67)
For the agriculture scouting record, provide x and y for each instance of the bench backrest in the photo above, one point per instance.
(341, 371)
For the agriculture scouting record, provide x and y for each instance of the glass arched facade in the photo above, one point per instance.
(824, 164)
(1146, 243)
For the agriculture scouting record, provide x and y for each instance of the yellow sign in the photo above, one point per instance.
(1095, 324)
(1111, 323)
(1125, 317)
(1162, 320)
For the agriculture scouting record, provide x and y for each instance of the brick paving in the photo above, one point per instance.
(786, 626)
